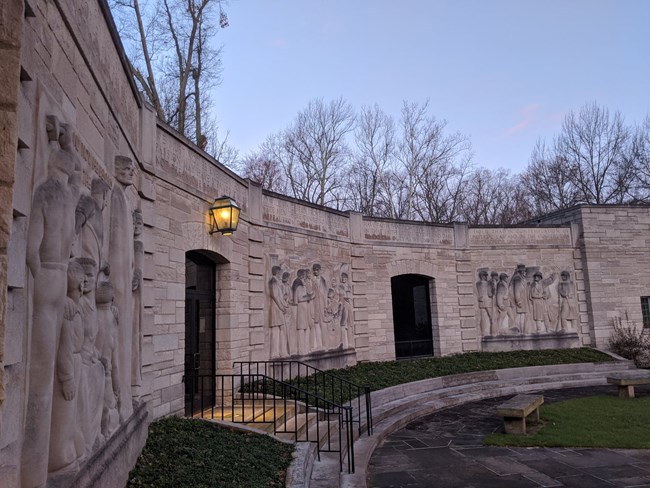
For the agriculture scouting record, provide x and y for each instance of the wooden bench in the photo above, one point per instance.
(517, 410)
(626, 381)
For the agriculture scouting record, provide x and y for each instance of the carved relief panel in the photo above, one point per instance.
(526, 300)
(308, 307)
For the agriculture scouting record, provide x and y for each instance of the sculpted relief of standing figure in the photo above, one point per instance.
(66, 442)
(278, 316)
(136, 288)
(484, 303)
(520, 297)
(301, 299)
(319, 287)
(120, 257)
(504, 308)
(568, 311)
(49, 244)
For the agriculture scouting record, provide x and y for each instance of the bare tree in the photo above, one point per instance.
(434, 164)
(372, 181)
(260, 166)
(641, 155)
(314, 153)
(597, 149)
(550, 181)
(169, 47)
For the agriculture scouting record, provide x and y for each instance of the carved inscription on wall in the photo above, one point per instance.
(195, 171)
(284, 212)
(520, 236)
(309, 307)
(377, 230)
(526, 300)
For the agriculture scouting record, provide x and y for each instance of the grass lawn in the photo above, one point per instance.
(379, 375)
(199, 454)
(599, 421)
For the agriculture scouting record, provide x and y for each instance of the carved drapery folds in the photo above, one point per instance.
(81, 368)
(526, 300)
(309, 308)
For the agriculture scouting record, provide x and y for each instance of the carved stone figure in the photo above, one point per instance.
(316, 338)
(494, 281)
(568, 312)
(538, 297)
(345, 294)
(90, 398)
(136, 287)
(49, 243)
(319, 287)
(520, 297)
(90, 222)
(504, 308)
(301, 300)
(66, 440)
(106, 337)
(120, 257)
(278, 316)
(484, 303)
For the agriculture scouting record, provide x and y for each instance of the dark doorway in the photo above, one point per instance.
(412, 316)
(200, 302)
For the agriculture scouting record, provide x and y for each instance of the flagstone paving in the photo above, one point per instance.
(445, 450)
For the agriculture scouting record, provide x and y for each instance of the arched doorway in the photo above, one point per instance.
(200, 344)
(412, 317)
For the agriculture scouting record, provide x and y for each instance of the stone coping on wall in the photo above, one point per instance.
(396, 406)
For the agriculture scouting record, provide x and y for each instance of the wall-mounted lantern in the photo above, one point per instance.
(224, 216)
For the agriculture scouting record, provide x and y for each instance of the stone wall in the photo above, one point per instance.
(296, 280)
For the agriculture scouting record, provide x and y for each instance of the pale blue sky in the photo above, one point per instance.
(504, 72)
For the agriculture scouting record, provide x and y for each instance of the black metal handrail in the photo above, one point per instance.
(256, 398)
(323, 383)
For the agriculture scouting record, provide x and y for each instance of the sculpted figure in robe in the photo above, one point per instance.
(504, 308)
(319, 287)
(107, 316)
(301, 299)
(49, 243)
(278, 316)
(90, 222)
(520, 297)
(90, 399)
(345, 294)
(66, 440)
(568, 312)
(484, 303)
(120, 258)
(136, 286)
(316, 342)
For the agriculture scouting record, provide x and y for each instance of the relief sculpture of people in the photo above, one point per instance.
(79, 357)
(527, 303)
(309, 308)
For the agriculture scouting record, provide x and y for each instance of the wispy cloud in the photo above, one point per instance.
(528, 116)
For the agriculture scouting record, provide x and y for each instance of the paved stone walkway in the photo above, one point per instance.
(445, 450)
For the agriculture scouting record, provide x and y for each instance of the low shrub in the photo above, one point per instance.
(631, 342)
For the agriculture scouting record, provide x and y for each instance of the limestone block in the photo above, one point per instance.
(16, 254)
(464, 267)
(165, 342)
(357, 263)
(256, 268)
(360, 315)
(148, 294)
(148, 322)
(466, 300)
(256, 320)
(148, 213)
(465, 278)
(10, 409)
(468, 323)
(256, 302)
(470, 346)
(175, 291)
(465, 289)
(256, 285)
(149, 268)
(255, 234)
(467, 334)
(22, 200)
(254, 207)
(358, 276)
(146, 187)
(467, 312)
(360, 302)
(256, 337)
(14, 334)
(255, 249)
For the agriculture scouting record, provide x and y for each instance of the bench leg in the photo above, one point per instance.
(533, 416)
(626, 391)
(514, 425)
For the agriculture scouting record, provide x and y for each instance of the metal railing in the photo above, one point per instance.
(322, 383)
(257, 398)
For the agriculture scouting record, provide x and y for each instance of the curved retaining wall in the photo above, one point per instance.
(395, 407)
